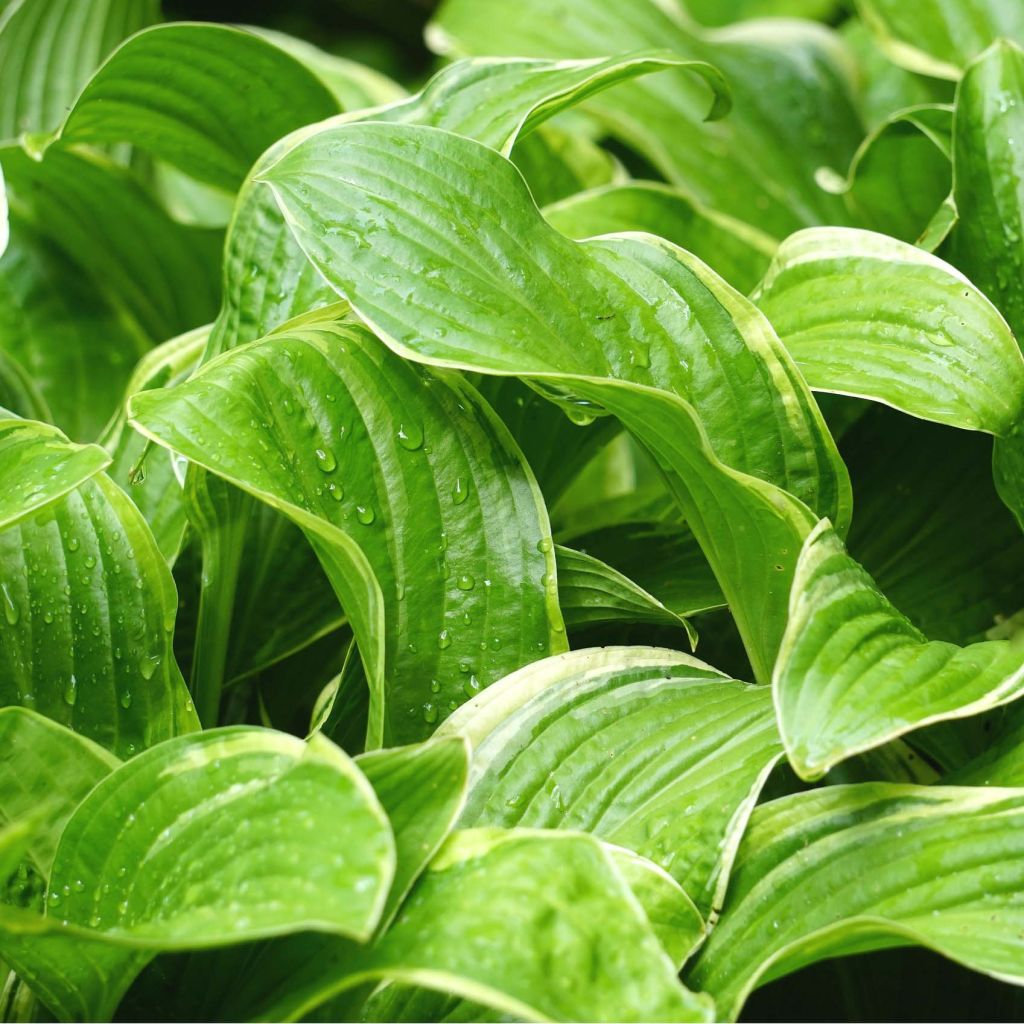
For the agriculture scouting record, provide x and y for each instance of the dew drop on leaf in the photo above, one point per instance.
(444, 639)
(460, 492)
(465, 582)
(410, 435)
(365, 514)
(325, 460)
(148, 665)
(71, 691)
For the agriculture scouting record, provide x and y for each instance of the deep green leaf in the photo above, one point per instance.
(208, 99)
(48, 48)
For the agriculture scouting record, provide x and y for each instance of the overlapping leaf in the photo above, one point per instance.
(853, 672)
(805, 121)
(646, 748)
(443, 566)
(88, 601)
(644, 330)
(846, 869)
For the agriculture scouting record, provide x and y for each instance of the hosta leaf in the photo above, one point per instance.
(864, 314)
(735, 250)
(48, 50)
(538, 925)
(268, 280)
(40, 465)
(149, 474)
(805, 121)
(670, 912)
(88, 601)
(70, 339)
(591, 593)
(220, 855)
(644, 330)
(422, 789)
(724, 12)
(558, 163)
(44, 763)
(988, 172)
(208, 99)
(902, 172)
(160, 274)
(853, 672)
(414, 497)
(352, 84)
(946, 552)
(646, 748)
(939, 37)
(886, 88)
(846, 869)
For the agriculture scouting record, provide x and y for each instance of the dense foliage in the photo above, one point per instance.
(374, 454)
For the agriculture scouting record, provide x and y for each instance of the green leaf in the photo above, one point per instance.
(804, 121)
(558, 163)
(939, 37)
(354, 85)
(88, 601)
(70, 339)
(160, 275)
(847, 869)
(40, 465)
(591, 593)
(426, 519)
(422, 789)
(901, 173)
(735, 250)
(853, 672)
(536, 924)
(646, 748)
(930, 528)
(987, 174)
(48, 50)
(208, 99)
(640, 328)
(867, 315)
(45, 764)
(145, 872)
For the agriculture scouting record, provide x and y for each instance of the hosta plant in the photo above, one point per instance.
(538, 540)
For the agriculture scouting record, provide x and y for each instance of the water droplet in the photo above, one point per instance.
(325, 460)
(465, 582)
(78, 885)
(48, 616)
(148, 665)
(435, 686)
(429, 713)
(471, 687)
(11, 613)
(53, 899)
(336, 491)
(73, 544)
(365, 514)
(460, 492)
(90, 562)
(444, 639)
(126, 699)
(410, 435)
(71, 691)
(544, 545)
